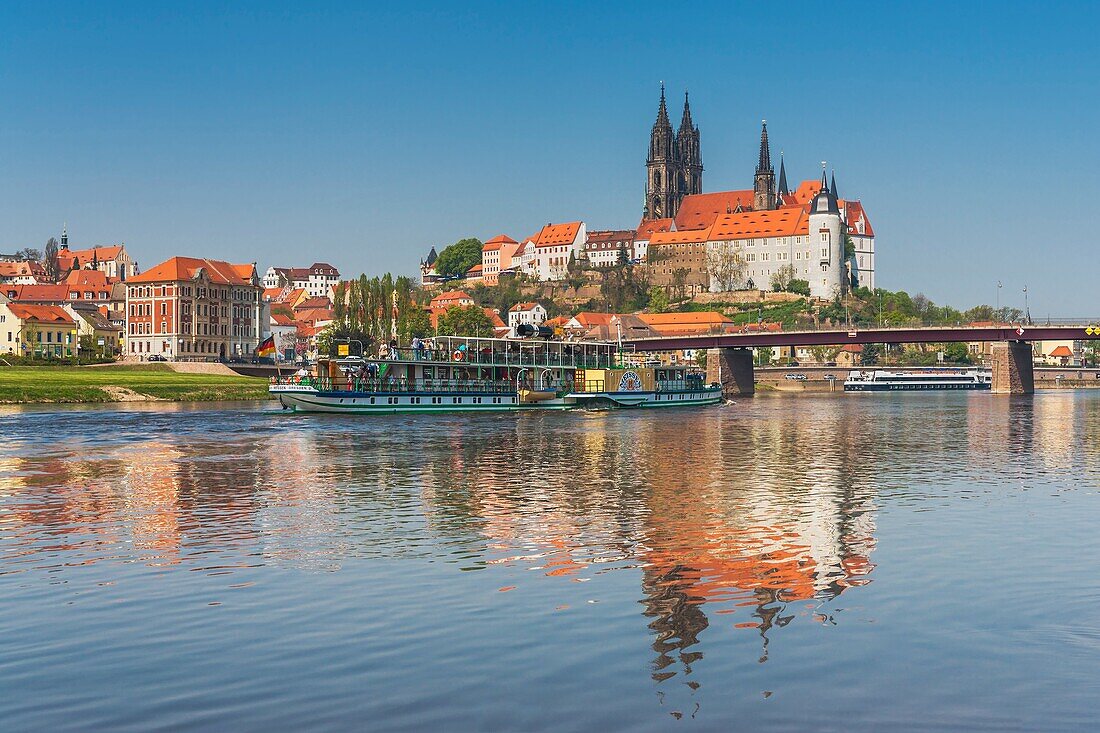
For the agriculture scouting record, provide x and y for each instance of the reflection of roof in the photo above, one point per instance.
(1062, 350)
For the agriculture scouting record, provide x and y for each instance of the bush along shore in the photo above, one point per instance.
(122, 383)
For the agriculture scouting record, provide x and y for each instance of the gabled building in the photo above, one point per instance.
(451, 298)
(112, 260)
(525, 313)
(496, 255)
(609, 248)
(553, 248)
(22, 272)
(317, 280)
(194, 308)
(38, 330)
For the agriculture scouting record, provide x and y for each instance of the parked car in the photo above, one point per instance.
(799, 377)
(829, 377)
(155, 357)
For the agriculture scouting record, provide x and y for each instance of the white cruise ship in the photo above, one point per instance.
(899, 381)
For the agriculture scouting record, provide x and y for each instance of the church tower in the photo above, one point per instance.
(663, 168)
(763, 186)
(690, 157)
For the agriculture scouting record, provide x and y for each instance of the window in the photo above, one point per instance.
(824, 253)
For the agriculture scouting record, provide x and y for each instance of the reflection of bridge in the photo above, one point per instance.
(729, 360)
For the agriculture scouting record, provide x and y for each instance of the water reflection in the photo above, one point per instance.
(738, 521)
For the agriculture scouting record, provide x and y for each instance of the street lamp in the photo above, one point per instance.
(998, 297)
(1027, 310)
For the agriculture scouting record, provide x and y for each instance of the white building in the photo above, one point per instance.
(863, 237)
(607, 248)
(317, 280)
(553, 248)
(530, 313)
(806, 242)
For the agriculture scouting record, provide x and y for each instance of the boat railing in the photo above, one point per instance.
(395, 384)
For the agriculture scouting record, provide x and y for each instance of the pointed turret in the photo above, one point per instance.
(689, 156)
(832, 184)
(783, 190)
(685, 120)
(765, 163)
(763, 187)
(663, 175)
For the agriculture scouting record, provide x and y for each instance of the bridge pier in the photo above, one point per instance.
(731, 368)
(1013, 371)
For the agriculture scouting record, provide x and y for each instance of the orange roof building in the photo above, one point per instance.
(43, 330)
(194, 308)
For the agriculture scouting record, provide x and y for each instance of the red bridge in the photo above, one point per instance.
(729, 361)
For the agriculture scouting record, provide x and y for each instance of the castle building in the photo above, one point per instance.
(769, 233)
(674, 165)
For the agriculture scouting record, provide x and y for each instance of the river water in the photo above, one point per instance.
(831, 563)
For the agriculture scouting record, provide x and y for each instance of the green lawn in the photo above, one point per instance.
(86, 384)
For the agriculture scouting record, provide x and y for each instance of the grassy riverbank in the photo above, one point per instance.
(122, 383)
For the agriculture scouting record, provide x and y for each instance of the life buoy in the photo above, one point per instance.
(458, 355)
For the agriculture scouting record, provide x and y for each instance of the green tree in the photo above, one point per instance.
(870, 355)
(764, 355)
(469, 320)
(956, 353)
(799, 287)
(658, 300)
(782, 278)
(456, 259)
(417, 323)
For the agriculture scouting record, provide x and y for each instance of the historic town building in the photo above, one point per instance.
(317, 280)
(194, 309)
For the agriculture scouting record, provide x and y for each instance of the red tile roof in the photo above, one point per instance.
(42, 293)
(179, 269)
(522, 307)
(853, 211)
(497, 242)
(451, 297)
(553, 235)
(41, 313)
(648, 226)
(88, 278)
(1062, 351)
(699, 211)
(23, 268)
(695, 236)
(753, 224)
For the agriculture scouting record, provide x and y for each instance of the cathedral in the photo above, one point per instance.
(675, 164)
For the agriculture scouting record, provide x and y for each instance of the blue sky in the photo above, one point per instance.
(362, 135)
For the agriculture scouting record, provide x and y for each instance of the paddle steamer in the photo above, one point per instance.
(488, 375)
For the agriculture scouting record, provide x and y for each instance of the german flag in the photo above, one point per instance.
(267, 347)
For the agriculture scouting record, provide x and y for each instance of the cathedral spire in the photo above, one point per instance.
(783, 190)
(662, 111)
(765, 163)
(685, 121)
(763, 186)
